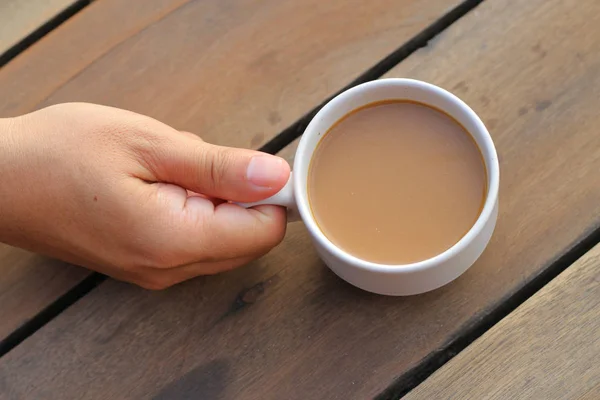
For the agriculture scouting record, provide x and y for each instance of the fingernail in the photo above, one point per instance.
(265, 171)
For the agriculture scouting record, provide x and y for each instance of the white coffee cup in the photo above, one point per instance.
(395, 280)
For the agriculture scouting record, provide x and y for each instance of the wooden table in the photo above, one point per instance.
(523, 322)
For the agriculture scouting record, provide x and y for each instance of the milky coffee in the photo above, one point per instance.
(396, 182)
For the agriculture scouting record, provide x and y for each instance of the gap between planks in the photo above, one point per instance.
(276, 144)
(434, 361)
(42, 31)
(414, 377)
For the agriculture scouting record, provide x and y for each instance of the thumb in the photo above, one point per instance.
(222, 172)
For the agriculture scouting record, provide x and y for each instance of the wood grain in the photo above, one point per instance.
(29, 284)
(286, 327)
(19, 18)
(236, 72)
(546, 349)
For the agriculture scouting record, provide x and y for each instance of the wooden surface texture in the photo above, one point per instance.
(286, 327)
(546, 349)
(19, 18)
(234, 72)
(29, 283)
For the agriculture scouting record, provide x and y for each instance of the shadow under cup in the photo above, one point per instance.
(405, 279)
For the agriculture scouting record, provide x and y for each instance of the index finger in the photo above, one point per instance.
(230, 231)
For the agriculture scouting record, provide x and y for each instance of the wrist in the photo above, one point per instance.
(9, 150)
(8, 135)
(8, 138)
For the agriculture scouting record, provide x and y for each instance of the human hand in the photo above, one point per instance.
(128, 196)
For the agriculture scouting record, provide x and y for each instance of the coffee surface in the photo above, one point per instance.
(396, 183)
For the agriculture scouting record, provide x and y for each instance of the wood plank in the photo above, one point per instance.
(546, 349)
(73, 47)
(221, 69)
(20, 18)
(29, 283)
(284, 326)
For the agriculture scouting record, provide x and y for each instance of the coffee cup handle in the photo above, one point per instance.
(284, 198)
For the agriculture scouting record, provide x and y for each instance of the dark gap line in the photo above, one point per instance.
(94, 279)
(42, 31)
(412, 378)
(473, 330)
(47, 314)
(420, 40)
(273, 146)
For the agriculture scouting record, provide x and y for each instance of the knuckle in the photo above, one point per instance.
(273, 238)
(274, 230)
(266, 238)
(254, 238)
(215, 163)
(152, 247)
(148, 257)
(144, 136)
(142, 276)
(155, 283)
(157, 259)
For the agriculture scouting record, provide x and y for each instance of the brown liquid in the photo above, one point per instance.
(396, 182)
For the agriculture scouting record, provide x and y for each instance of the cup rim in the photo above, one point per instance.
(488, 151)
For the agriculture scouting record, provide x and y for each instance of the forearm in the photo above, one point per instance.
(9, 166)
(6, 140)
